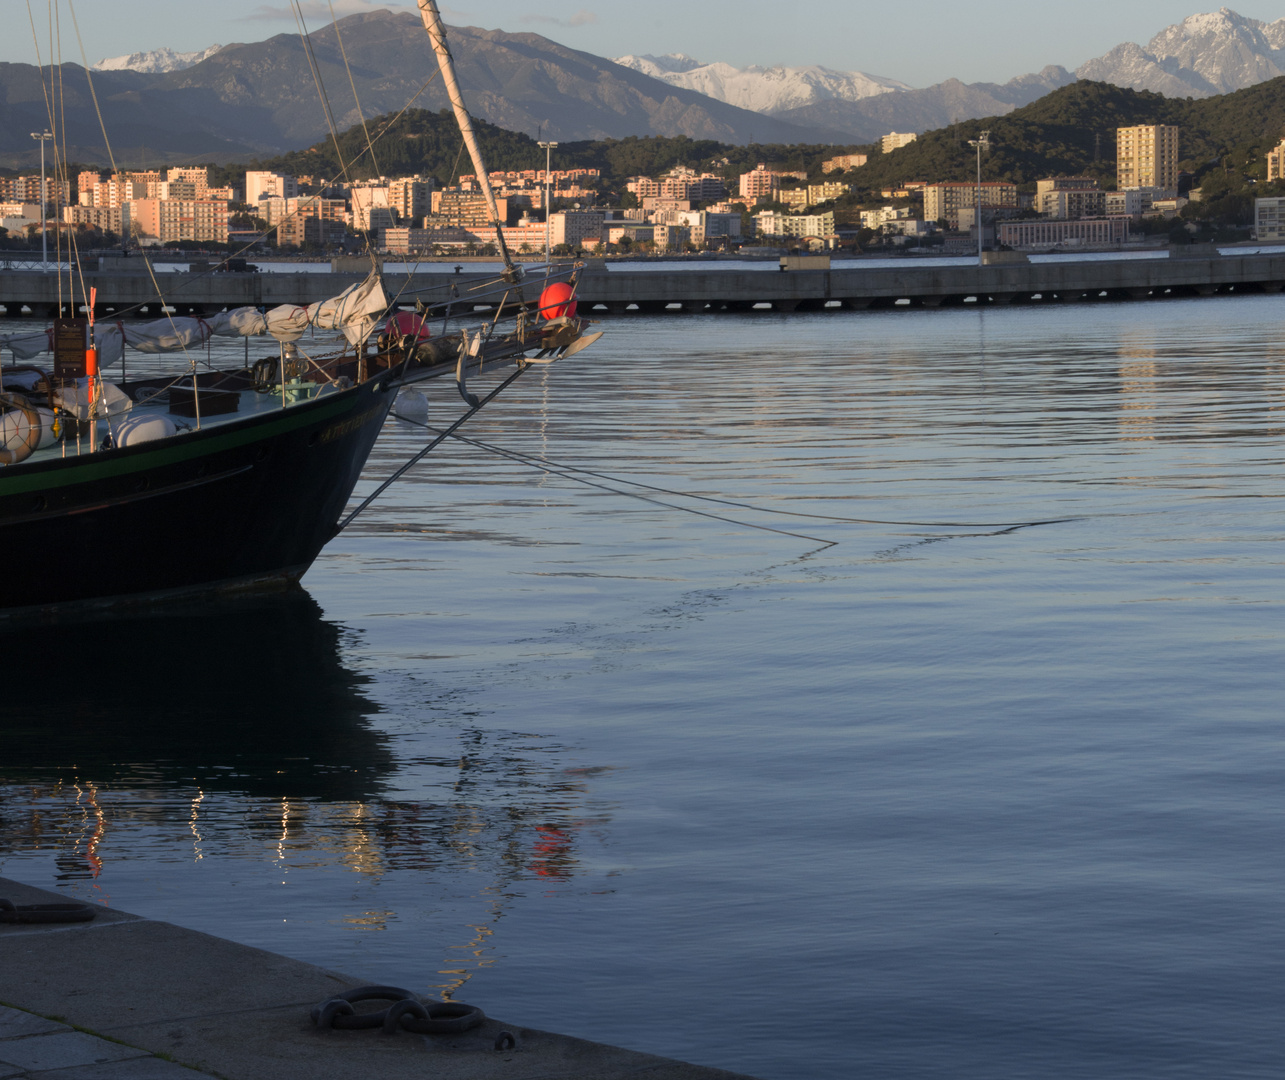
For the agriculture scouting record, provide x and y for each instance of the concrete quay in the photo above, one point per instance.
(129, 998)
(919, 284)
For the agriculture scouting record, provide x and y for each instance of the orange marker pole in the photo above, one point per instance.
(91, 371)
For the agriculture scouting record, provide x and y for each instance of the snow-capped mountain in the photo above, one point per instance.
(1203, 55)
(767, 90)
(156, 61)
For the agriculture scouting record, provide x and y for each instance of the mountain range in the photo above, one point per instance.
(157, 60)
(1201, 56)
(256, 100)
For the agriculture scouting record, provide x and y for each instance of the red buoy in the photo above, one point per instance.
(557, 301)
(407, 324)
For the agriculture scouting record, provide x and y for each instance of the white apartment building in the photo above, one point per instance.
(371, 209)
(895, 140)
(876, 219)
(1269, 219)
(771, 223)
(259, 184)
(575, 227)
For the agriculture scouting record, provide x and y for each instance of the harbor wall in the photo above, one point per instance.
(619, 292)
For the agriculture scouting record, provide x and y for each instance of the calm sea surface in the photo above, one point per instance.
(980, 775)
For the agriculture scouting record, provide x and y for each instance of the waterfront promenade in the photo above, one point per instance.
(919, 284)
(128, 998)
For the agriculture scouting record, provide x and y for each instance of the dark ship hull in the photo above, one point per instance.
(247, 504)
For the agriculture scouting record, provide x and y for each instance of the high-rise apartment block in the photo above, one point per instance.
(1146, 156)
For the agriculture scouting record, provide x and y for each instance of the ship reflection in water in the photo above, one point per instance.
(235, 744)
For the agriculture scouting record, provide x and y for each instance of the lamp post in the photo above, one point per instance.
(985, 141)
(43, 137)
(548, 157)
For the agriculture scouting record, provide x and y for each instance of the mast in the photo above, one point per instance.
(437, 35)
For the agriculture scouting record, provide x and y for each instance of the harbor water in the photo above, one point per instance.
(971, 768)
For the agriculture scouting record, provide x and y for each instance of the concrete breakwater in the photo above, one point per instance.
(620, 292)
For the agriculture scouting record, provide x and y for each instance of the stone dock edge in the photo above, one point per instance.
(129, 998)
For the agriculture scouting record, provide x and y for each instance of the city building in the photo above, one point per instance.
(844, 162)
(458, 206)
(817, 226)
(944, 201)
(408, 196)
(114, 219)
(197, 220)
(1042, 234)
(826, 191)
(198, 177)
(635, 232)
(895, 141)
(16, 216)
(311, 219)
(877, 219)
(259, 184)
(575, 227)
(26, 189)
(1276, 162)
(1130, 203)
(1269, 219)
(1146, 156)
(671, 237)
(1069, 197)
(404, 240)
(759, 183)
(371, 209)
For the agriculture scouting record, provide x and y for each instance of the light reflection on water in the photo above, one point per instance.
(960, 798)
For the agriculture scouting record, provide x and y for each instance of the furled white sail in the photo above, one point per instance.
(353, 313)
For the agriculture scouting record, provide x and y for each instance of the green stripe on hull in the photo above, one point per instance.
(179, 449)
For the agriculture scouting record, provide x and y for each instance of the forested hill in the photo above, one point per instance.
(1068, 132)
(426, 142)
(1072, 131)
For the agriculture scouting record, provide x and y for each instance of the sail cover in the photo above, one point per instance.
(353, 313)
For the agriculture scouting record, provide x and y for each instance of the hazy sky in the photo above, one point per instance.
(921, 43)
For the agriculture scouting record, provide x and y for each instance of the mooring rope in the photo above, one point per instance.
(560, 469)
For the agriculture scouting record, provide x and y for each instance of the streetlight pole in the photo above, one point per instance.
(985, 141)
(43, 137)
(548, 181)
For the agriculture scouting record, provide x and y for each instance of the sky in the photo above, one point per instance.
(987, 41)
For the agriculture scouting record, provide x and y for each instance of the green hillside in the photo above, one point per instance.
(1072, 131)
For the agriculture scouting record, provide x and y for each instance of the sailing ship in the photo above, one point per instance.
(212, 480)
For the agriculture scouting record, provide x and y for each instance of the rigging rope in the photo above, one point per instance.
(111, 157)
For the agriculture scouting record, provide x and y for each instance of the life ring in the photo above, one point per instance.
(18, 444)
